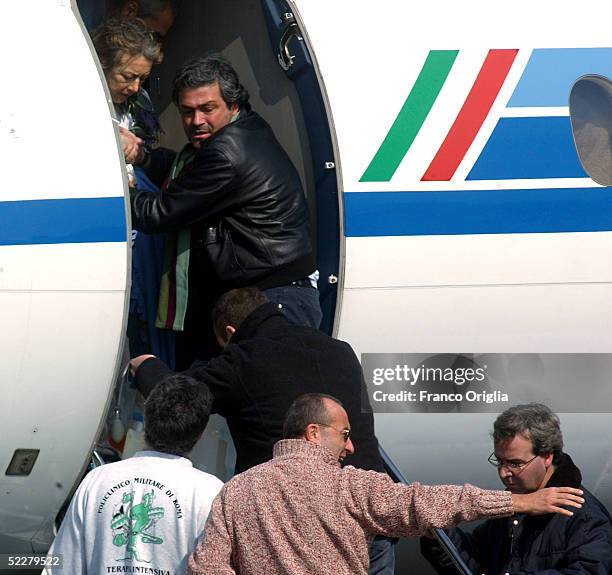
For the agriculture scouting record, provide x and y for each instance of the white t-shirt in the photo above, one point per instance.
(140, 515)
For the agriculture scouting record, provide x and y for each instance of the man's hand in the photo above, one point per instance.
(133, 146)
(548, 500)
(135, 362)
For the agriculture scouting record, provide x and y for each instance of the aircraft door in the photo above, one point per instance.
(290, 43)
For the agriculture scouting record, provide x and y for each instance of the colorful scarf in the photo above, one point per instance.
(145, 120)
(173, 291)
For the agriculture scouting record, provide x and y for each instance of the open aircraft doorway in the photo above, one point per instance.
(264, 41)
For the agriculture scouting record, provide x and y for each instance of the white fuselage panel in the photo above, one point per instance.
(64, 260)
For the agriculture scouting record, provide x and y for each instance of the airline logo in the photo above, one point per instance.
(531, 144)
(504, 163)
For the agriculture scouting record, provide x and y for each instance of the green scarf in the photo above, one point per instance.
(173, 291)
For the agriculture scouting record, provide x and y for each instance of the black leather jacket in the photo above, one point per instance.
(243, 199)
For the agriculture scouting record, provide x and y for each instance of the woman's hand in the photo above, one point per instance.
(133, 146)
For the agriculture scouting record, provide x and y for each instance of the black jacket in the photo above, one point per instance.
(269, 363)
(243, 199)
(547, 544)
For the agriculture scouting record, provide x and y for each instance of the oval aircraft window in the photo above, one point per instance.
(591, 119)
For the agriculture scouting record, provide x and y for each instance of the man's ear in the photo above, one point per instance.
(129, 9)
(223, 338)
(548, 460)
(312, 433)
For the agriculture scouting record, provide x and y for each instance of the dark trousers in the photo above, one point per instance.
(382, 556)
(299, 304)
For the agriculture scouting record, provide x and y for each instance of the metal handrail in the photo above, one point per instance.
(443, 539)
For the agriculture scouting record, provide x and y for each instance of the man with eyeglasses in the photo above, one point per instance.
(528, 455)
(302, 513)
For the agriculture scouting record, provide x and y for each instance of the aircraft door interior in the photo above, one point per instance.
(251, 34)
(264, 43)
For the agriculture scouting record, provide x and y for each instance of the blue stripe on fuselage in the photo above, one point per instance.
(477, 212)
(529, 148)
(63, 221)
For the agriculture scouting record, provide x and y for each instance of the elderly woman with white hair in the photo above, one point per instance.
(127, 50)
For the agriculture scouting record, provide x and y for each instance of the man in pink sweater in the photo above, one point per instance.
(302, 514)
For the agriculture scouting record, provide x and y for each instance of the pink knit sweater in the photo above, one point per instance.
(301, 514)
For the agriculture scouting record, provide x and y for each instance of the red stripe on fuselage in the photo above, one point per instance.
(470, 118)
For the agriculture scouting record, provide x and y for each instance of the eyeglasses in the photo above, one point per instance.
(516, 466)
(346, 433)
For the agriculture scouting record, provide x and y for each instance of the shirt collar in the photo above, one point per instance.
(161, 455)
(303, 448)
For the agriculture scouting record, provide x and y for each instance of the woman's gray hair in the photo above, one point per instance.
(120, 36)
(206, 70)
(535, 422)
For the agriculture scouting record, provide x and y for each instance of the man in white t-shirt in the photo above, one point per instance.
(149, 510)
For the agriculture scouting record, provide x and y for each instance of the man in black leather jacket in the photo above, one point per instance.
(528, 455)
(236, 205)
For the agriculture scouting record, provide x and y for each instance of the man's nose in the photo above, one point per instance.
(199, 118)
(504, 472)
(349, 447)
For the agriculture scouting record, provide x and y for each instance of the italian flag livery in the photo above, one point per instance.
(510, 137)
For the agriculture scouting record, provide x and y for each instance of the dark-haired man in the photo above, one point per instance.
(147, 511)
(528, 454)
(236, 206)
(266, 363)
(301, 513)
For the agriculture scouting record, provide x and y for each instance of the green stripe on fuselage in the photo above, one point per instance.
(411, 117)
